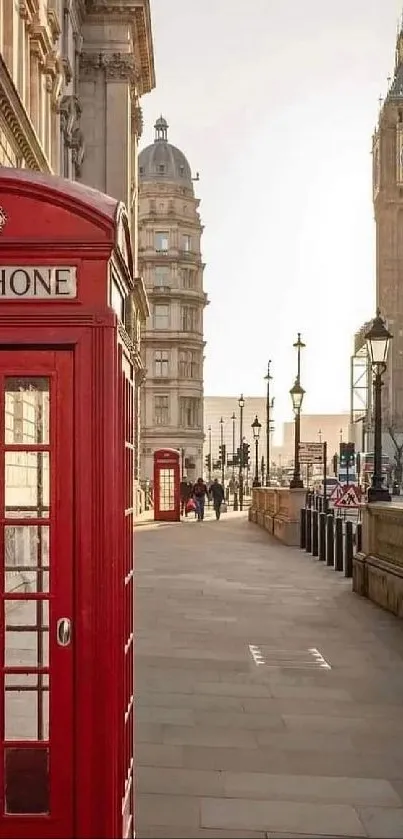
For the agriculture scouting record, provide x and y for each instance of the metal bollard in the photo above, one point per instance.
(358, 537)
(348, 550)
(302, 532)
(338, 547)
(315, 523)
(322, 536)
(329, 540)
(308, 534)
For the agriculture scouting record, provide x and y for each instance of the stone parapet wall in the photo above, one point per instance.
(277, 510)
(378, 567)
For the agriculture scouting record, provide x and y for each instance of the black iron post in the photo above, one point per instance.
(222, 451)
(378, 338)
(338, 553)
(302, 532)
(348, 550)
(268, 379)
(329, 540)
(315, 533)
(322, 536)
(256, 426)
(241, 404)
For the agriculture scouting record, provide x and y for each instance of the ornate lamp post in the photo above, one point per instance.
(233, 445)
(222, 451)
(269, 405)
(241, 403)
(256, 426)
(297, 395)
(209, 453)
(378, 338)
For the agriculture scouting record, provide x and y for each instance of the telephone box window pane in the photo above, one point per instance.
(27, 613)
(27, 410)
(26, 550)
(26, 713)
(167, 489)
(25, 648)
(26, 780)
(27, 484)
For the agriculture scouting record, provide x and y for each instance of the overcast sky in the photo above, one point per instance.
(274, 102)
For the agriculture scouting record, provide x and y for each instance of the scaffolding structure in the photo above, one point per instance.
(361, 391)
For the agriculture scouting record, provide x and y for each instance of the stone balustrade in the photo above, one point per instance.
(278, 510)
(378, 567)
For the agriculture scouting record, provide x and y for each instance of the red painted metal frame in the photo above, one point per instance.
(46, 227)
(166, 459)
(58, 368)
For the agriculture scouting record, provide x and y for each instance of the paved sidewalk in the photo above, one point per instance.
(269, 696)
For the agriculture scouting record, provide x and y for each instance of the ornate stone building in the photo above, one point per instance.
(388, 207)
(72, 73)
(170, 262)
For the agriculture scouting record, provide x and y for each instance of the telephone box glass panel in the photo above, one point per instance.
(167, 489)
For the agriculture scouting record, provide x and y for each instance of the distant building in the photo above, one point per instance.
(170, 262)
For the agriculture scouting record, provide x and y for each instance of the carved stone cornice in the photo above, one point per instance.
(137, 120)
(67, 69)
(117, 66)
(14, 114)
(70, 113)
(54, 24)
(120, 66)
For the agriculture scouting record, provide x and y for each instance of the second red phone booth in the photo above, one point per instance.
(166, 485)
(67, 445)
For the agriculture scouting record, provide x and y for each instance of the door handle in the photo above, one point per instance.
(63, 632)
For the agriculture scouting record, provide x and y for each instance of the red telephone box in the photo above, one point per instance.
(66, 512)
(166, 485)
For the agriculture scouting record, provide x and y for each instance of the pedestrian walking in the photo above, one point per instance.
(199, 495)
(218, 494)
(185, 494)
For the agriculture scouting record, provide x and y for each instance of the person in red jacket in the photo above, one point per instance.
(200, 494)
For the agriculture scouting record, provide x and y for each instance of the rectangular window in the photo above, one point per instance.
(161, 363)
(186, 243)
(190, 412)
(162, 276)
(161, 316)
(161, 241)
(189, 319)
(161, 410)
(188, 278)
(189, 364)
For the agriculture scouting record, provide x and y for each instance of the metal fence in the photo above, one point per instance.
(330, 537)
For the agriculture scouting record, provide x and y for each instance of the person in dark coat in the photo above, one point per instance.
(199, 494)
(218, 494)
(185, 493)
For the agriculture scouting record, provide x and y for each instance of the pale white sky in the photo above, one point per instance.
(274, 102)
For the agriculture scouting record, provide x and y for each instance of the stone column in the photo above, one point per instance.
(119, 75)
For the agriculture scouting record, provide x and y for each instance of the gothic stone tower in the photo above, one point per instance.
(388, 205)
(170, 262)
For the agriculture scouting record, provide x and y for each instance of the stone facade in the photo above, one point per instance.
(378, 568)
(278, 510)
(171, 264)
(72, 73)
(387, 150)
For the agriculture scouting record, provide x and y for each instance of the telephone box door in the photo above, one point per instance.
(37, 621)
(166, 485)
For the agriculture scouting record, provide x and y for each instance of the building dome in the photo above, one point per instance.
(163, 162)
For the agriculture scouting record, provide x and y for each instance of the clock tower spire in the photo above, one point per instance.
(387, 155)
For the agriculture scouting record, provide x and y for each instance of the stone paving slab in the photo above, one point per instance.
(264, 743)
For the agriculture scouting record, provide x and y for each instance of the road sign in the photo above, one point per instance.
(311, 452)
(336, 493)
(350, 497)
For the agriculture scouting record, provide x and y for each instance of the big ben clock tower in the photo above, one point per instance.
(387, 152)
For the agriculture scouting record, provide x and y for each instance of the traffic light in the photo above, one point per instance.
(335, 469)
(222, 453)
(245, 455)
(347, 455)
(208, 462)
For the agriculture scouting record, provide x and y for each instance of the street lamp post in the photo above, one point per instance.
(297, 395)
(209, 453)
(222, 451)
(241, 403)
(233, 445)
(268, 406)
(378, 338)
(256, 426)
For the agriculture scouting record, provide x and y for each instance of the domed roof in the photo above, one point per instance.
(162, 161)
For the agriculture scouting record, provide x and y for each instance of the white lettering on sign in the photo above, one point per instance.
(31, 282)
